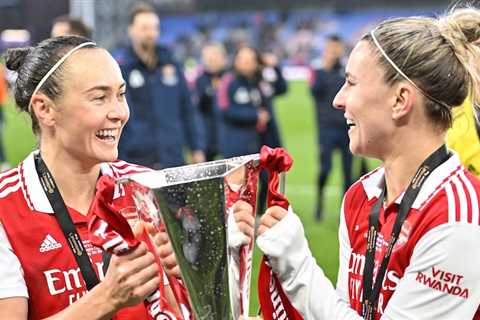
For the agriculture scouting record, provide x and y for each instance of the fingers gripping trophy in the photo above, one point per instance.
(206, 213)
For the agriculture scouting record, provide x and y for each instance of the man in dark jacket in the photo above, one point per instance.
(163, 119)
(331, 125)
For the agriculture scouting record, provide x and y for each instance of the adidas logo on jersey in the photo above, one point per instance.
(49, 243)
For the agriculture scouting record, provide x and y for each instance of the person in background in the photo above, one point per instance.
(464, 136)
(243, 105)
(331, 126)
(206, 87)
(272, 85)
(163, 120)
(68, 26)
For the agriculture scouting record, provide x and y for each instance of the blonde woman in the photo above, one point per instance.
(409, 230)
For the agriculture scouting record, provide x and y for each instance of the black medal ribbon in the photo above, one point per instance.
(371, 295)
(65, 221)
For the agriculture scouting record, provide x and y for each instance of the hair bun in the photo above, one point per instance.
(14, 58)
(461, 24)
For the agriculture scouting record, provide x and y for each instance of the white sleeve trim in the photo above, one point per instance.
(12, 283)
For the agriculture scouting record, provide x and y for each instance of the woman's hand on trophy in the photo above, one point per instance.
(130, 278)
(166, 254)
(244, 217)
(272, 216)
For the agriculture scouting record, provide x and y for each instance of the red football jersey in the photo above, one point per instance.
(449, 199)
(433, 270)
(39, 262)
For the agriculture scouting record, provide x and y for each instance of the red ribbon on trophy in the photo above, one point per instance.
(274, 303)
(110, 230)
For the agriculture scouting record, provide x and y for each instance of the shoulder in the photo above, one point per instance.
(10, 182)
(448, 208)
(18, 188)
(120, 168)
(455, 201)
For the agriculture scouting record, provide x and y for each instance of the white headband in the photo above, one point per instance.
(384, 54)
(55, 67)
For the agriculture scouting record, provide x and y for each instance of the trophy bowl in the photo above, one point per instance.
(194, 203)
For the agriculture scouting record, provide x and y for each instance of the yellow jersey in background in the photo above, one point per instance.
(464, 138)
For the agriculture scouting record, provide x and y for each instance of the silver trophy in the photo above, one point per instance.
(195, 204)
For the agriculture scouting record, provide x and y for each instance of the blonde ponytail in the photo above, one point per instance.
(461, 28)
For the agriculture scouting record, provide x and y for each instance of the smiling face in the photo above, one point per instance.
(91, 112)
(367, 101)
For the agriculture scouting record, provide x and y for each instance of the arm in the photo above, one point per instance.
(129, 279)
(304, 282)
(13, 290)
(437, 252)
(15, 308)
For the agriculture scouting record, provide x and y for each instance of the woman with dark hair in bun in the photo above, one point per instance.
(410, 230)
(75, 95)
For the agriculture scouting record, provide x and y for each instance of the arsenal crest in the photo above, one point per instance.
(404, 235)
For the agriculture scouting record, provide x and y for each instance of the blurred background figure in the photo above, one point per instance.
(332, 133)
(272, 85)
(214, 63)
(464, 135)
(68, 26)
(246, 100)
(163, 119)
(3, 100)
(243, 105)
